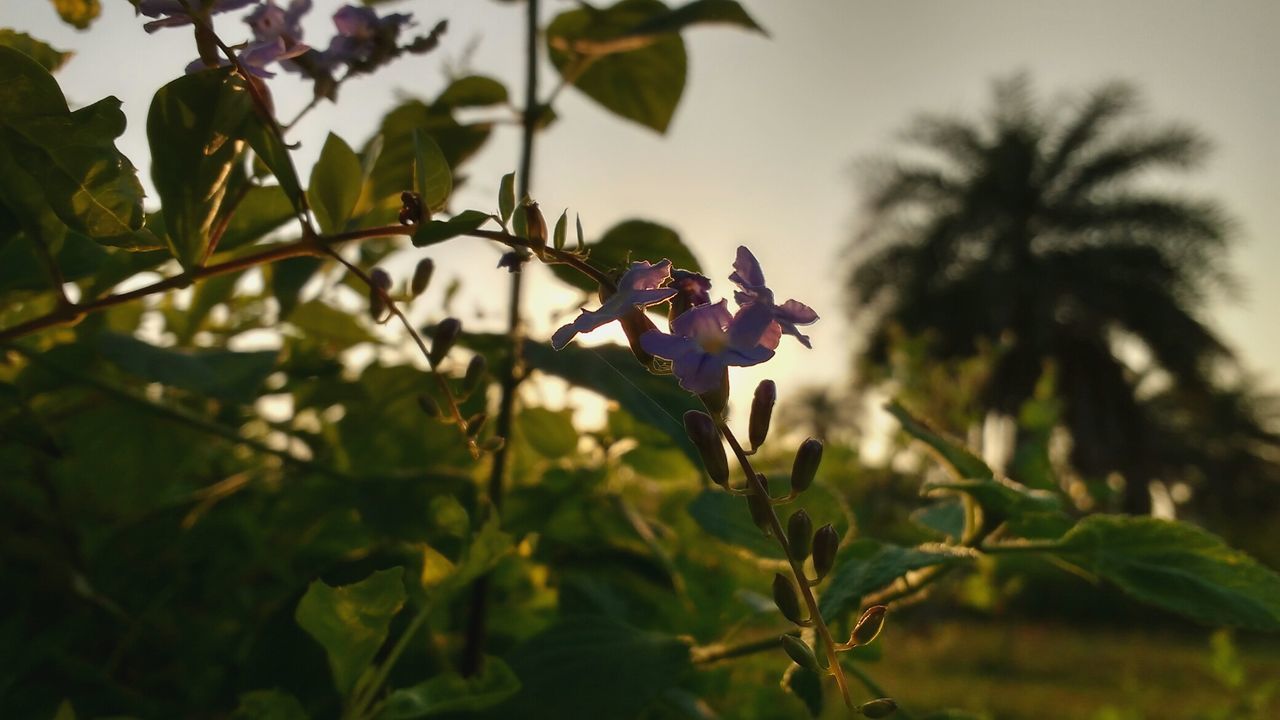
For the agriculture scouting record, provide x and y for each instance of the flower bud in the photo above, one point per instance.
(412, 210)
(784, 596)
(702, 431)
(377, 306)
(761, 412)
(881, 708)
(493, 444)
(422, 276)
(760, 507)
(718, 400)
(825, 544)
(380, 278)
(869, 625)
(535, 226)
(805, 468)
(475, 373)
(429, 405)
(476, 422)
(800, 535)
(800, 653)
(442, 340)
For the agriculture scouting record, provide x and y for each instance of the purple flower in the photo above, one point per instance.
(692, 290)
(750, 279)
(173, 13)
(639, 287)
(363, 37)
(706, 340)
(277, 36)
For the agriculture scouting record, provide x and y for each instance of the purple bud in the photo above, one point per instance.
(429, 405)
(800, 653)
(784, 596)
(880, 708)
(800, 535)
(442, 340)
(761, 412)
(869, 625)
(825, 544)
(702, 431)
(422, 276)
(760, 507)
(475, 372)
(805, 467)
(380, 278)
(475, 423)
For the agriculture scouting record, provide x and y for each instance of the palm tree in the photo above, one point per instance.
(1038, 230)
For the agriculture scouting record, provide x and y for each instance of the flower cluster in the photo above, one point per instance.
(706, 339)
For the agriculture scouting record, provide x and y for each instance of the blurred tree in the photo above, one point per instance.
(1033, 229)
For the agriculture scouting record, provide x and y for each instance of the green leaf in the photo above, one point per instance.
(451, 692)
(269, 705)
(699, 12)
(78, 13)
(322, 322)
(582, 244)
(1001, 499)
(61, 162)
(288, 277)
(351, 622)
(193, 128)
(473, 91)
(560, 230)
(626, 242)
(866, 565)
(727, 518)
(1178, 567)
(37, 50)
(593, 667)
(550, 433)
(612, 371)
(221, 374)
(262, 210)
(946, 518)
(436, 231)
(507, 197)
(335, 184)
(265, 139)
(962, 463)
(432, 177)
(642, 84)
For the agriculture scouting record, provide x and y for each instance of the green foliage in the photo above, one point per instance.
(450, 692)
(1178, 567)
(335, 184)
(551, 433)
(269, 705)
(962, 463)
(473, 91)
(437, 231)
(629, 241)
(866, 566)
(351, 622)
(49, 58)
(432, 178)
(78, 13)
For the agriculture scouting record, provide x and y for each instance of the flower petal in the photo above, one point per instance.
(794, 311)
(699, 372)
(646, 298)
(746, 270)
(703, 321)
(749, 326)
(643, 276)
(671, 347)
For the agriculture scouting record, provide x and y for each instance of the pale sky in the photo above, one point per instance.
(762, 147)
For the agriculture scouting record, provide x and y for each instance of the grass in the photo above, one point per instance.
(1047, 672)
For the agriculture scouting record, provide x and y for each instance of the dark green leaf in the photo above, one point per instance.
(699, 12)
(945, 518)
(626, 242)
(78, 13)
(432, 177)
(866, 565)
(222, 374)
(507, 197)
(265, 138)
(727, 518)
(964, 464)
(335, 184)
(451, 692)
(263, 209)
(351, 622)
(37, 50)
(1001, 499)
(192, 127)
(548, 432)
(806, 685)
(322, 322)
(269, 705)
(473, 91)
(288, 278)
(63, 162)
(593, 667)
(1178, 567)
(642, 84)
(435, 231)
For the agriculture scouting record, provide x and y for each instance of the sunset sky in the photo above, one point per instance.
(763, 147)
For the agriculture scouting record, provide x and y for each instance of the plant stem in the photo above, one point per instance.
(477, 622)
(797, 567)
(361, 703)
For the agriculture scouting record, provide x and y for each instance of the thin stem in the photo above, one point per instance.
(221, 228)
(509, 379)
(707, 654)
(391, 305)
(797, 567)
(874, 688)
(55, 273)
(361, 703)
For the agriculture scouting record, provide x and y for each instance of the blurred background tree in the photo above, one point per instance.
(1045, 235)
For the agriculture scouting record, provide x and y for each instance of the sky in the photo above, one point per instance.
(764, 145)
